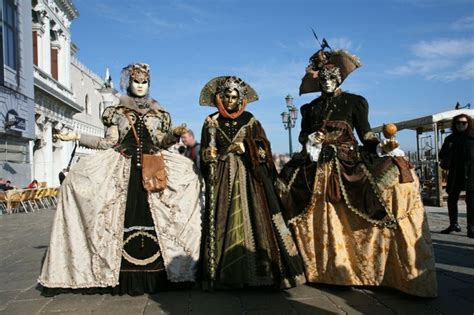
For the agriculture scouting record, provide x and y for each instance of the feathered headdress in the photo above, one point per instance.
(325, 58)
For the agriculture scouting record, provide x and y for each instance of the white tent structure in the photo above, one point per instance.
(437, 124)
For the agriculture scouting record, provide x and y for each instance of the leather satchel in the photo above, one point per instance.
(153, 172)
(153, 167)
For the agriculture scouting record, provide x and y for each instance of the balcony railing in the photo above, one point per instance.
(51, 86)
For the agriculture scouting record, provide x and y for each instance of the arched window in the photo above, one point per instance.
(88, 105)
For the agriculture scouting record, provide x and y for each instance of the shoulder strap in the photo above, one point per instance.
(133, 128)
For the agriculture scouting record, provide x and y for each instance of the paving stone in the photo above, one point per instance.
(367, 309)
(315, 305)
(73, 302)
(451, 304)
(120, 307)
(272, 312)
(348, 296)
(6, 297)
(24, 307)
(26, 238)
(263, 300)
(173, 302)
(74, 312)
(302, 291)
(467, 294)
(10, 284)
(30, 294)
(212, 302)
(381, 293)
(410, 305)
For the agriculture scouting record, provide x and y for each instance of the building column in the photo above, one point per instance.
(43, 155)
(61, 153)
(45, 59)
(66, 56)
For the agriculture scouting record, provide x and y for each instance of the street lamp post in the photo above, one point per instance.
(289, 118)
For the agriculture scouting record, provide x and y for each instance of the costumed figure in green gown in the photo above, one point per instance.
(245, 239)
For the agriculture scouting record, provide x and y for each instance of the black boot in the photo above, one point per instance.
(470, 232)
(451, 228)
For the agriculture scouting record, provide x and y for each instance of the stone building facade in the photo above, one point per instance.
(67, 93)
(17, 107)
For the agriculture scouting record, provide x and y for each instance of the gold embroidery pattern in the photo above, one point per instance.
(285, 234)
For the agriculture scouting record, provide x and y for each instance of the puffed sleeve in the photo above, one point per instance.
(94, 142)
(360, 118)
(166, 122)
(109, 119)
(109, 116)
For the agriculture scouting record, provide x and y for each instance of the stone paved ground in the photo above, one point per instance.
(24, 239)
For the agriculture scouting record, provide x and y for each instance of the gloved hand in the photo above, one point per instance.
(389, 145)
(67, 136)
(317, 137)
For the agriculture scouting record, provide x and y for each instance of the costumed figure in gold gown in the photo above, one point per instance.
(357, 216)
(245, 239)
(124, 225)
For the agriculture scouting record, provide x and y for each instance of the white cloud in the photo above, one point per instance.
(273, 78)
(156, 17)
(437, 59)
(465, 72)
(465, 23)
(421, 66)
(448, 48)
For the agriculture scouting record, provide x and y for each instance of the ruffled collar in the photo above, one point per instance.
(141, 105)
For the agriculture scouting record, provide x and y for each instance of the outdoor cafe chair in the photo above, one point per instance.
(3, 201)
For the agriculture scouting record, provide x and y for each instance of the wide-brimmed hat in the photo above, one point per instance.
(332, 58)
(219, 84)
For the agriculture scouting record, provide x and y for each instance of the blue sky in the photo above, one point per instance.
(417, 55)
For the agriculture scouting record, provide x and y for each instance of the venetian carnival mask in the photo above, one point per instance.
(231, 100)
(136, 78)
(139, 88)
(329, 79)
(232, 92)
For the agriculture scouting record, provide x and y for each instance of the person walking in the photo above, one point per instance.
(457, 157)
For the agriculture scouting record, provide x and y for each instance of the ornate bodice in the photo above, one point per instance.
(350, 108)
(154, 120)
(232, 131)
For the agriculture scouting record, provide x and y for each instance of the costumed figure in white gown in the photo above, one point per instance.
(124, 225)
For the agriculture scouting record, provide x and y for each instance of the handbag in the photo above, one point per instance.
(153, 167)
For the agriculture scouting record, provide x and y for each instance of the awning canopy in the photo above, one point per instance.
(425, 123)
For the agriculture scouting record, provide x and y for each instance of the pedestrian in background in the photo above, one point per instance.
(457, 157)
(192, 147)
(33, 184)
(6, 186)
